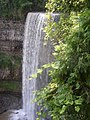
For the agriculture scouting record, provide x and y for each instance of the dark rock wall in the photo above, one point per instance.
(11, 35)
(11, 39)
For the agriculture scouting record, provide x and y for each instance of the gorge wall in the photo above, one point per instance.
(11, 36)
(11, 39)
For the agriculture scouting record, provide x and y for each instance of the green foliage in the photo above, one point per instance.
(18, 9)
(38, 5)
(14, 9)
(4, 61)
(9, 61)
(39, 71)
(13, 86)
(67, 96)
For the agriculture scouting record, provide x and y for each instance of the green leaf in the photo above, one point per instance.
(77, 85)
(33, 76)
(77, 108)
(46, 66)
(39, 71)
(63, 109)
(78, 102)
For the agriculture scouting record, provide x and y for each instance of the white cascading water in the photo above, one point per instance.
(35, 54)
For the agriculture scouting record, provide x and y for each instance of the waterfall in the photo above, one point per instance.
(35, 54)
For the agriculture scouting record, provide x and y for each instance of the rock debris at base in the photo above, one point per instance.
(8, 102)
(13, 115)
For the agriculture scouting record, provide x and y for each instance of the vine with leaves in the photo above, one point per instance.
(67, 96)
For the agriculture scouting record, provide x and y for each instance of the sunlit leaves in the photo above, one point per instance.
(39, 71)
(77, 108)
(68, 92)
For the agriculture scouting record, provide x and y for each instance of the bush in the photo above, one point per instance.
(67, 96)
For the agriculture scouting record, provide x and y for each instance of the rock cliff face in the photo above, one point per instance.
(11, 39)
(11, 35)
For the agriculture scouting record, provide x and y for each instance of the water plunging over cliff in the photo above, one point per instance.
(35, 54)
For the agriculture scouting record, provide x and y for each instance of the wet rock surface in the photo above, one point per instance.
(10, 107)
(13, 115)
(8, 102)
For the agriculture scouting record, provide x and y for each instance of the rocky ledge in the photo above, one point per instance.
(13, 115)
(9, 101)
